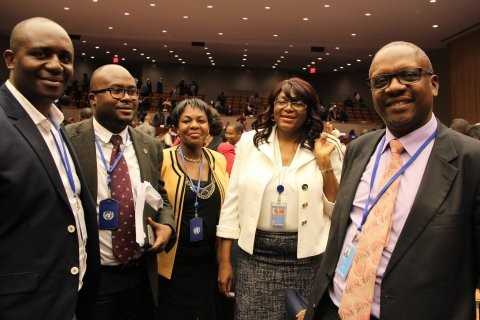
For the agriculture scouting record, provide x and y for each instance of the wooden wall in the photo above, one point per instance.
(464, 76)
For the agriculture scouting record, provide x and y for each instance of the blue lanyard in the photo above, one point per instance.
(64, 156)
(108, 168)
(196, 189)
(368, 207)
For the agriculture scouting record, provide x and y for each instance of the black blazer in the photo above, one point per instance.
(149, 155)
(433, 271)
(36, 249)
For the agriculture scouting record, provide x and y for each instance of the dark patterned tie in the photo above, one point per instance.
(124, 245)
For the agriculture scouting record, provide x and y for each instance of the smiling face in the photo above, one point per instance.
(113, 114)
(289, 119)
(193, 127)
(40, 60)
(403, 107)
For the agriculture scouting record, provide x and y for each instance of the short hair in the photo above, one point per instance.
(302, 90)
(216, 126)
(474, 131)
(195, 103)
(460, 125)
(237, 127)
(85, 113)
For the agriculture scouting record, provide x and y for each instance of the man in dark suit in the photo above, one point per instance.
(423, 258)
(48, 228)
(114, 172)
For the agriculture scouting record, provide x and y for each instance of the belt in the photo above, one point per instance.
(130, 266)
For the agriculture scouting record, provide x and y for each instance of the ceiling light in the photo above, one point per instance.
(370, 55)
(209, 6)
(433, 1)
(175, 56)
(290, 45)
(245, 55)
(165, 46)
(245, 50)
(92, 57)
(183, 62)
(244, 18)
(164, 31)
(84, 41)
(126, 13)
(337, 48)
(308, 66)
(115, 55)
(186, 17)
(242, 65)
(148, 58)
(278, 61)
(125, 44)
(180, 59)
(305, 19)
(335, 70)
(213, 64)
(95, 1)
(435, 26)
(281, 57)
(208, 53)
(286, 52)
(368, 14)
(66, 8)
(358, 60)
(268, 8)
(152, 4)
(313, 62)
(275, 35)
(110, 28)
(327, 53)
(326, 5)
(304, 68)
(97, 47)
(123, 59)
(341, 67)
(142, 54)
(220, 33)
(274, 67)
(349, 64)
(107, 52)
(353, 34)
(83, 53)
(320, 58)
(170, 51)
(134, 49)
(153, 60)
(244, 59)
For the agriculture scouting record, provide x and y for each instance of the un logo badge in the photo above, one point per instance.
(108, 215)
(196, 230)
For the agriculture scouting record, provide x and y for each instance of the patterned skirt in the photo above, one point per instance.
(261, 278)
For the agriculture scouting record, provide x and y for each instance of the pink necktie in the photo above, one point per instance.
(124, 243)
(357, 298)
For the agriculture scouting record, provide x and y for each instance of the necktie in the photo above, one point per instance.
(124, 245)
(357, 298)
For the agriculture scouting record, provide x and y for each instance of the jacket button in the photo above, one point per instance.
(304, 205)
(304, 187)
(74, 270)
(71, 229)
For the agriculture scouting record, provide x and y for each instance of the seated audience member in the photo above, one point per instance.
(474, 131)
(460, 125)
(406, 245)
(233, 133)
(195, 181)
(147, 126)
(215, 136)
(283, 186)
(85, 113)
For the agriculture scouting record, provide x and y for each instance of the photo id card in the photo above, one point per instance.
(346, 261)
(279, 213)
(196, 229)
(108, 214)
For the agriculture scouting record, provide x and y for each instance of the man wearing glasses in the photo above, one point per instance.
(404, 241)
(116, 160)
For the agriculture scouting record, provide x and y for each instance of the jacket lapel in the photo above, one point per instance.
(439, 173)
(22, 122)
(141, 152)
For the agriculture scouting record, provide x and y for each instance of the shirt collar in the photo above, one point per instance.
(55, 115)
(105, 135)
(412, 141)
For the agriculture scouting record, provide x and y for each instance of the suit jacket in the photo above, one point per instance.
(433, 269)
(149, 157)
(36, 250)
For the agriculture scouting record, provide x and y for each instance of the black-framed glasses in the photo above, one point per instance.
(405, 76)
(297, 105)
(119, 93)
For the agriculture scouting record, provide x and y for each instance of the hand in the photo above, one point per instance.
(322, 151)
(301, 314)
(162, 233)
(225, 277)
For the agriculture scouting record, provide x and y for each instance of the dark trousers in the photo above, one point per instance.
(124, 294)
(327, 310)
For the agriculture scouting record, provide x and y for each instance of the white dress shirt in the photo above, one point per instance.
(49, 133)
(407, 191)
(103, 192)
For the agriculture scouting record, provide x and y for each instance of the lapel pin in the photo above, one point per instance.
(145, 151)
(304, 222)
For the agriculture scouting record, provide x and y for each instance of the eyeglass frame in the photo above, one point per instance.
(303, 105)
(124, 92)
(396, 75)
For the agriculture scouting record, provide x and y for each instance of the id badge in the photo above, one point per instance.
(108, 214)
(346, 261)
(196, 229)
(279, 213)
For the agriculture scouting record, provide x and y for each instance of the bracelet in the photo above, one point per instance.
(326, 170)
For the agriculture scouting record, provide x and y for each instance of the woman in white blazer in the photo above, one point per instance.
(278, 205)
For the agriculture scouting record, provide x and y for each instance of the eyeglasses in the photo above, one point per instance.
(119, 93)
(297, 105)
(405, 76)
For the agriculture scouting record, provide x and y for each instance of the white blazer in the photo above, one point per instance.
(252, 171)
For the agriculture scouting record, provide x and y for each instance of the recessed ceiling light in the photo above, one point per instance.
(125, 44)
(278, 61)
(335, 70)
(126, 13)
(107, 52)
(209, 6)
(286, 52)
(92, 57)
(358, 60)
(142, 54)
(275, 35)
(180, 59)
(327, 53)
(290, 45)
(273, 67)
(148, 57)
(245, 50)
(341, 67)
(123, 59)
(244, 59)
(313, 62)
(305, 19)
(110, 28)
(244, 18)
(304, 68)
(435, 26)
(183, 62)
(170, 51)
(349, 64)
(242, 65)
(433, 1)
(213, 64)
(97, 47)
(320, 58)
(370, 55)
(186, 17)
(281, 57)
(165, 46)
(84, 41)
(95, 1)
(153, 60)
(326, 5)
(115, 55)
(134, 49)
(245, 55)
(66, 8)
(368, 14)
(152, 4)
(308, 66)
(220, 33)
(175, 56)
(83, 53)
(353, 34)
(268, 8)
(208, 53)
(164, 31)
(337, 48)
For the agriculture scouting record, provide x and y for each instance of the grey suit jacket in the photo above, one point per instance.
(433, 271)
(149, 155)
